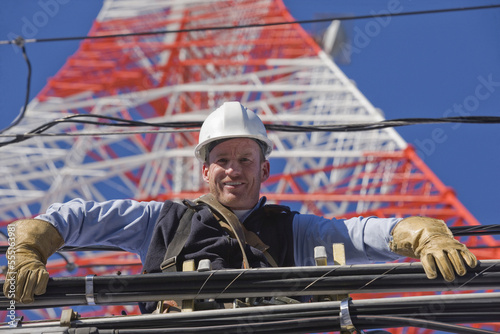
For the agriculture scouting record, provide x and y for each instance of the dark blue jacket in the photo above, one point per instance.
(208, 240)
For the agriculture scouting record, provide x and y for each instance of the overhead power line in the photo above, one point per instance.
(20, 116)
(256, 25)
(106, 121)
(20, 41)
(103, 120)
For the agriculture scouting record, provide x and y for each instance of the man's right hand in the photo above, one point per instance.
(31, 242)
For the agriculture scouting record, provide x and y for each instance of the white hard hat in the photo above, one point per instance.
(231, 120)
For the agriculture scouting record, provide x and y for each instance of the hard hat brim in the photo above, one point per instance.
(200, 150)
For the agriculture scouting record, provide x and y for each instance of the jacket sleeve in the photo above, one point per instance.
(365, 239)
(126, 224)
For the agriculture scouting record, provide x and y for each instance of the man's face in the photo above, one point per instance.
(235, 172)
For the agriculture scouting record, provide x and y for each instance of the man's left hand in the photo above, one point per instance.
(431, 241)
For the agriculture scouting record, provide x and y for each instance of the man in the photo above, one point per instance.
(233, 147)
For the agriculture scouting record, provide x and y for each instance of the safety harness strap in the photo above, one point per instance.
(228, 220)
(253, 240)
(175, 247)
(228, 217)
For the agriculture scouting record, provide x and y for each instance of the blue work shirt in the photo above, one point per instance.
(129, 224)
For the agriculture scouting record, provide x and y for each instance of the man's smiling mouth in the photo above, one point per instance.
(232, 183)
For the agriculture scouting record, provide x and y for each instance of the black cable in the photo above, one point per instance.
(475, 230)
(273, 127)
(383, 124)
(258, 25)
(73, 119)
(121, 122)
(315, 317)
(20, 42)
(300, 281)
(391, 321)
(276, 127)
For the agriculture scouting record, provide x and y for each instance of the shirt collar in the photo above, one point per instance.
(243, 214)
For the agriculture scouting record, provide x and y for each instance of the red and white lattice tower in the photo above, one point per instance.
(277, 70)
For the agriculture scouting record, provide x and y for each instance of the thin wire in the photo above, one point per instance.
(319, 278)
(20, 116)
(258, 25)
(204, 283)
(20, 41)
(376, 278)
(478, 274)
(96, 134)
(230, 283)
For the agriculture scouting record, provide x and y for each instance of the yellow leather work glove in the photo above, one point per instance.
(431, 241)
(31, 242)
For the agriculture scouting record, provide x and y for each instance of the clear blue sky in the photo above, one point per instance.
(432, 65)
